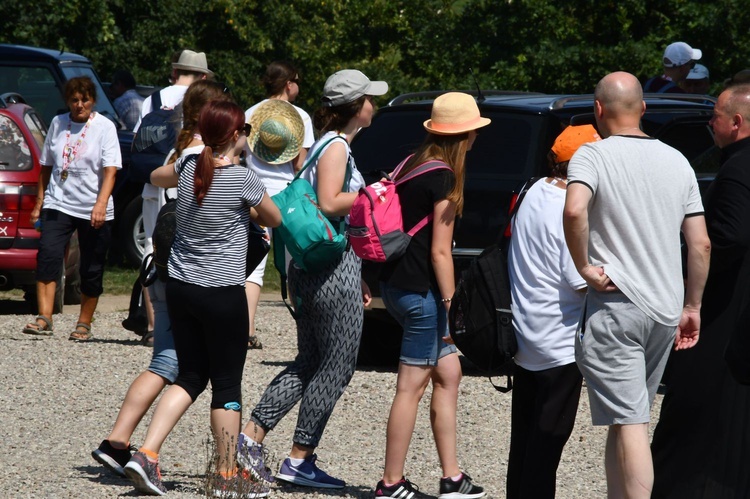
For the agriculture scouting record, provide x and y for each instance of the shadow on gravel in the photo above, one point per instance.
(14, 307)
(181, 482)
(124, 342)
(348, 491)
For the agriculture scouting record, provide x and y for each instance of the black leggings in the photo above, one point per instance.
(210, 336)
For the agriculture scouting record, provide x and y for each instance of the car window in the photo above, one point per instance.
(504, 148)
(15, 154)
(103, 105)
(38, 87)
(36, 127)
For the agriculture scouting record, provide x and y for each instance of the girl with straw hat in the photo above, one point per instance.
(417, 291)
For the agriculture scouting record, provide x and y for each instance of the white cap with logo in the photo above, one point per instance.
(679, 53)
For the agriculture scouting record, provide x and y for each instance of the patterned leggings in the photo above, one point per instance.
(329, 329)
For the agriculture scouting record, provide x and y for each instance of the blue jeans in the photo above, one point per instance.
(164, 358)
(425, 323)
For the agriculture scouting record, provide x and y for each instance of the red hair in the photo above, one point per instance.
(217, 123)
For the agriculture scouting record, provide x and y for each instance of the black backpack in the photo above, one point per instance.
(155, 138)
(480, 319)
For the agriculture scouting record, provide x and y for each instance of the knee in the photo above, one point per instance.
(229, 398)
(193, 385)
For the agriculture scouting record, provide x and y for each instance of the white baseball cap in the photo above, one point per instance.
(349, 85)
(679, 53)
(699, 72)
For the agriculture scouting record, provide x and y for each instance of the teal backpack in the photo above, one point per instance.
(313, 240)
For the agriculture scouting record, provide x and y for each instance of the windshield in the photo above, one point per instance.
(103, 104)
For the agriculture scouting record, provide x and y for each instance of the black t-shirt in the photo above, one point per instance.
(413, 271)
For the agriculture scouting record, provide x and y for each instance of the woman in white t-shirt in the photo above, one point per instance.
(80, 159)
(276, 168)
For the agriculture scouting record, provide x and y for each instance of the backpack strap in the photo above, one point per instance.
(504, 232)
(156, 101)
(425, 167)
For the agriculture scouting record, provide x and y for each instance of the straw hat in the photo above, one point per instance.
(277, 132)
(193, 61)
(454, 113)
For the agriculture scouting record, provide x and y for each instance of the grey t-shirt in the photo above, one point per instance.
(642, 191)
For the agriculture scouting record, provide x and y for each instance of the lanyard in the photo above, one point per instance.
(69, 154)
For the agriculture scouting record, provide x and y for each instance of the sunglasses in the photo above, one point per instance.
(245, 129)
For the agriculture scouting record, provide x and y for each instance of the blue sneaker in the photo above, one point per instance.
(308, 474)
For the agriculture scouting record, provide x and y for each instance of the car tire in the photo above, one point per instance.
(381, 340)
(132, 234)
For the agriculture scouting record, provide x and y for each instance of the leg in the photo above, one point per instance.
(149, 309)
(445, 380)
(522, 410)
(141, 394)
(630, 472)
(94, 244)
(45, 297)
(252, 292)
(410, 386)
(170, 409)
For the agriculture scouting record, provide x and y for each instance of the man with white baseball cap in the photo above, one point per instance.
(679, 58)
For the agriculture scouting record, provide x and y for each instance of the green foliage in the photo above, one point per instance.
(537, 45)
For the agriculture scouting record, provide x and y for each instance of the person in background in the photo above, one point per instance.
(697, 81)
(281, 81)
(700, 444)
(547, 294)
(679, 58)
(637, 305)
(417, 290)
(114, 451)
(80, 159)
(190, 67)
(742, 76)
(205, 295)
(127, 101)
(330, 302)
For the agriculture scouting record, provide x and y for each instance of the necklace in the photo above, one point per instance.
(619, 132)
(69, 154)
(222, 157)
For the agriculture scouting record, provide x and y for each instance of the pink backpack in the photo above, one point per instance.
(376, 227)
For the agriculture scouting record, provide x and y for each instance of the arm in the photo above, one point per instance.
(444, 216)
(699, 255)
(576, 226)
(165, 176)
(266, 212)
(44, 176)
(299, 161)
(331, 173)
(99, 212)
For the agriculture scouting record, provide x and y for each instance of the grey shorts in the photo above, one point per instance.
(621, 353)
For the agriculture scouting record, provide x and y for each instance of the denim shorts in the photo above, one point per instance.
(425, 323)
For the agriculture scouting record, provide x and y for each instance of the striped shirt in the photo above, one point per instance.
(210, 245)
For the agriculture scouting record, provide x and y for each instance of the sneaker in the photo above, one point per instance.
(462, 489)
(238, 486)
(308, 474)
(251, 456)
(145, 475)
(404, 489)
(112, 459)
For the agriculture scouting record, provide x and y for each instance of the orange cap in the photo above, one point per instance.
(573, 137)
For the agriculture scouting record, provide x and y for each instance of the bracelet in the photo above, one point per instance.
(446, 300)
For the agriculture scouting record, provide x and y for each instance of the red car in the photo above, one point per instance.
(22, 133)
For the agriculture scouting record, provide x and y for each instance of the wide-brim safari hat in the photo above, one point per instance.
(193, 61)
(277, 132)
(454, 113)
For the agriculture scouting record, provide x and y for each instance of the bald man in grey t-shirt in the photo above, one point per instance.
(627, 200)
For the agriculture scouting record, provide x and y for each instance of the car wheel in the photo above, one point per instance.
(132, 232)
(381, 341)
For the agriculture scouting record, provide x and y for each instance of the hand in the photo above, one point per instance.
(689, 328)
(597, 279)
(366, 294)
(98, 215)
(35, 214)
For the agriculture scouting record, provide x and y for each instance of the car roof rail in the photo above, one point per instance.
(560, 102)
(11, 98)
(431, 94)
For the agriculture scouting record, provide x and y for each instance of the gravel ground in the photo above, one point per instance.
(59, 399)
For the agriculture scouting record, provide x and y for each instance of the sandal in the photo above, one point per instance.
(148, 339)
(81, 333)
(253, 343)
(38, 329)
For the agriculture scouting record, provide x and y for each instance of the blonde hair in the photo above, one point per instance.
(450, 149)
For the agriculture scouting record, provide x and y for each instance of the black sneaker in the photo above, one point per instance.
(462, 489)
(404, 489)
(112, 459)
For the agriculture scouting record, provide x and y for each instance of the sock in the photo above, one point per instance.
(228, 474)
(246, 438)
(118, 445)
(151, 455)
(295, 462)
(392, 484)
(457, 478)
